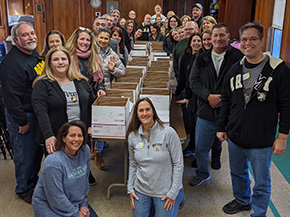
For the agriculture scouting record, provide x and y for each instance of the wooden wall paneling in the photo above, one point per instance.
(236, 15)
(222, 11)
(66, 16)
(285, 44)
(4, 24)
(264, 14)
(48, 15)
(28, 7)
(177, 7)
(141, 7)
(88, 14)
(39, 23)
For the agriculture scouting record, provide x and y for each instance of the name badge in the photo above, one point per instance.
(246, 76)
(140, 145)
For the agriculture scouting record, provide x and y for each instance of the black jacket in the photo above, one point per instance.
(17, 73)
(204, 80)
(50, 106)
(254, 125)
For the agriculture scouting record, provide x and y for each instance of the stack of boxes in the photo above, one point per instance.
(144, 78)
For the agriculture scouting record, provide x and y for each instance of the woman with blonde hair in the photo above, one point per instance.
(184, 19)
(207, 23)
(85, 58)
(59, 95)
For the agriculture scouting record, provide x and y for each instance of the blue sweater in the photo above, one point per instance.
(63, 185)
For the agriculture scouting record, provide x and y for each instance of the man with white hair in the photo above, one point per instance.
(158, 11)
(18, 70)
(145, 26)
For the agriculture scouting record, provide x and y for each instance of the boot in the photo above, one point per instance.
(92, 179)
(100, 162)
(93, 154)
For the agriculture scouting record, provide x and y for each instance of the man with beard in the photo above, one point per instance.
(145, 26)
(18, 70)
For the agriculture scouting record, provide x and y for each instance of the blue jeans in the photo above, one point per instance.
(144, 206)
(205, 134)
(260, 160)
(92, 212)
(27, 154)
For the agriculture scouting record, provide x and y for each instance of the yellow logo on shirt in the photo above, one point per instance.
(39, 68)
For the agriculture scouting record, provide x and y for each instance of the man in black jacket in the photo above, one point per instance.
(17, 71)
(255, 92)
(206, 79)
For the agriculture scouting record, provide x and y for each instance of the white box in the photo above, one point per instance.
(111, 117)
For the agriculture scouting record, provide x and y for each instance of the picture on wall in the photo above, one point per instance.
(111, 6)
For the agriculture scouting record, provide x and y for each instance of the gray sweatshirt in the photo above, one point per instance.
(63, 185)
(155, 167)
(119, 67)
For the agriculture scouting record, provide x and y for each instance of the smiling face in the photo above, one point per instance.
(196, 12)
(153, 30)
(109, 21)
(123, 22)
(251, 44)
(84, 42)
(116, 36)
(132, 14)
(73, 140)
(195, 43)
(145, 114)
(54, 40)
(206, 41)
(173, 22)
(175, 36)
(158, 20)
(130, 27)
(99, 24)
(220, 39)
(184, 21)
(206, 25)
(116, 17)
(26, 39)
(103, 40)
(59, 64)
(181, 33)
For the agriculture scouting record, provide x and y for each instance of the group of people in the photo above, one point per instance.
(226, 94)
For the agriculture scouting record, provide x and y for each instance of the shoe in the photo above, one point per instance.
(100, 162)
(194, 164)
(27, 198)
(234, 207)
(92, 179)
(188, 152)
(215, 163)
(196, 181)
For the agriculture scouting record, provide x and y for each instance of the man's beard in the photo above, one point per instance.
(27, 44)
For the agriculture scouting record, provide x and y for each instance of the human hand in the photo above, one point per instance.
(90, 130)
(183, 101)
(168, 204)
(222, 136)
(101, 93)
(279, 145)
(50, 144)
(214, 100)
(112, 63)
(84, 211)
(23, 129)
(132, 197)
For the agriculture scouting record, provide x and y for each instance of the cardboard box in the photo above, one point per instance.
(126, 86)
(161, 99)
(122, 93)
(111, 117)
(155, 84)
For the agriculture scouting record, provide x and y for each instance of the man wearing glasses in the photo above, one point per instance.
(256, 91)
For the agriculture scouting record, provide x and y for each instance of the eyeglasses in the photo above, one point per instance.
(253, 39)
(114, 11)
(173, 21)
(102, 24)
(84, 29)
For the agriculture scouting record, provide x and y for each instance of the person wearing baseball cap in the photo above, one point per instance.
(196, 13)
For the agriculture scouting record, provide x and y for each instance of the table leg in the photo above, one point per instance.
(124, 184)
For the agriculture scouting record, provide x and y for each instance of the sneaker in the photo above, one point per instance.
(196, 181)
(234, 207)
(92, 179)
(215, 163)
(100, 162)
(188, 152)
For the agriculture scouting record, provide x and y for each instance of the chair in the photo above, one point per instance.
(4, 142)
